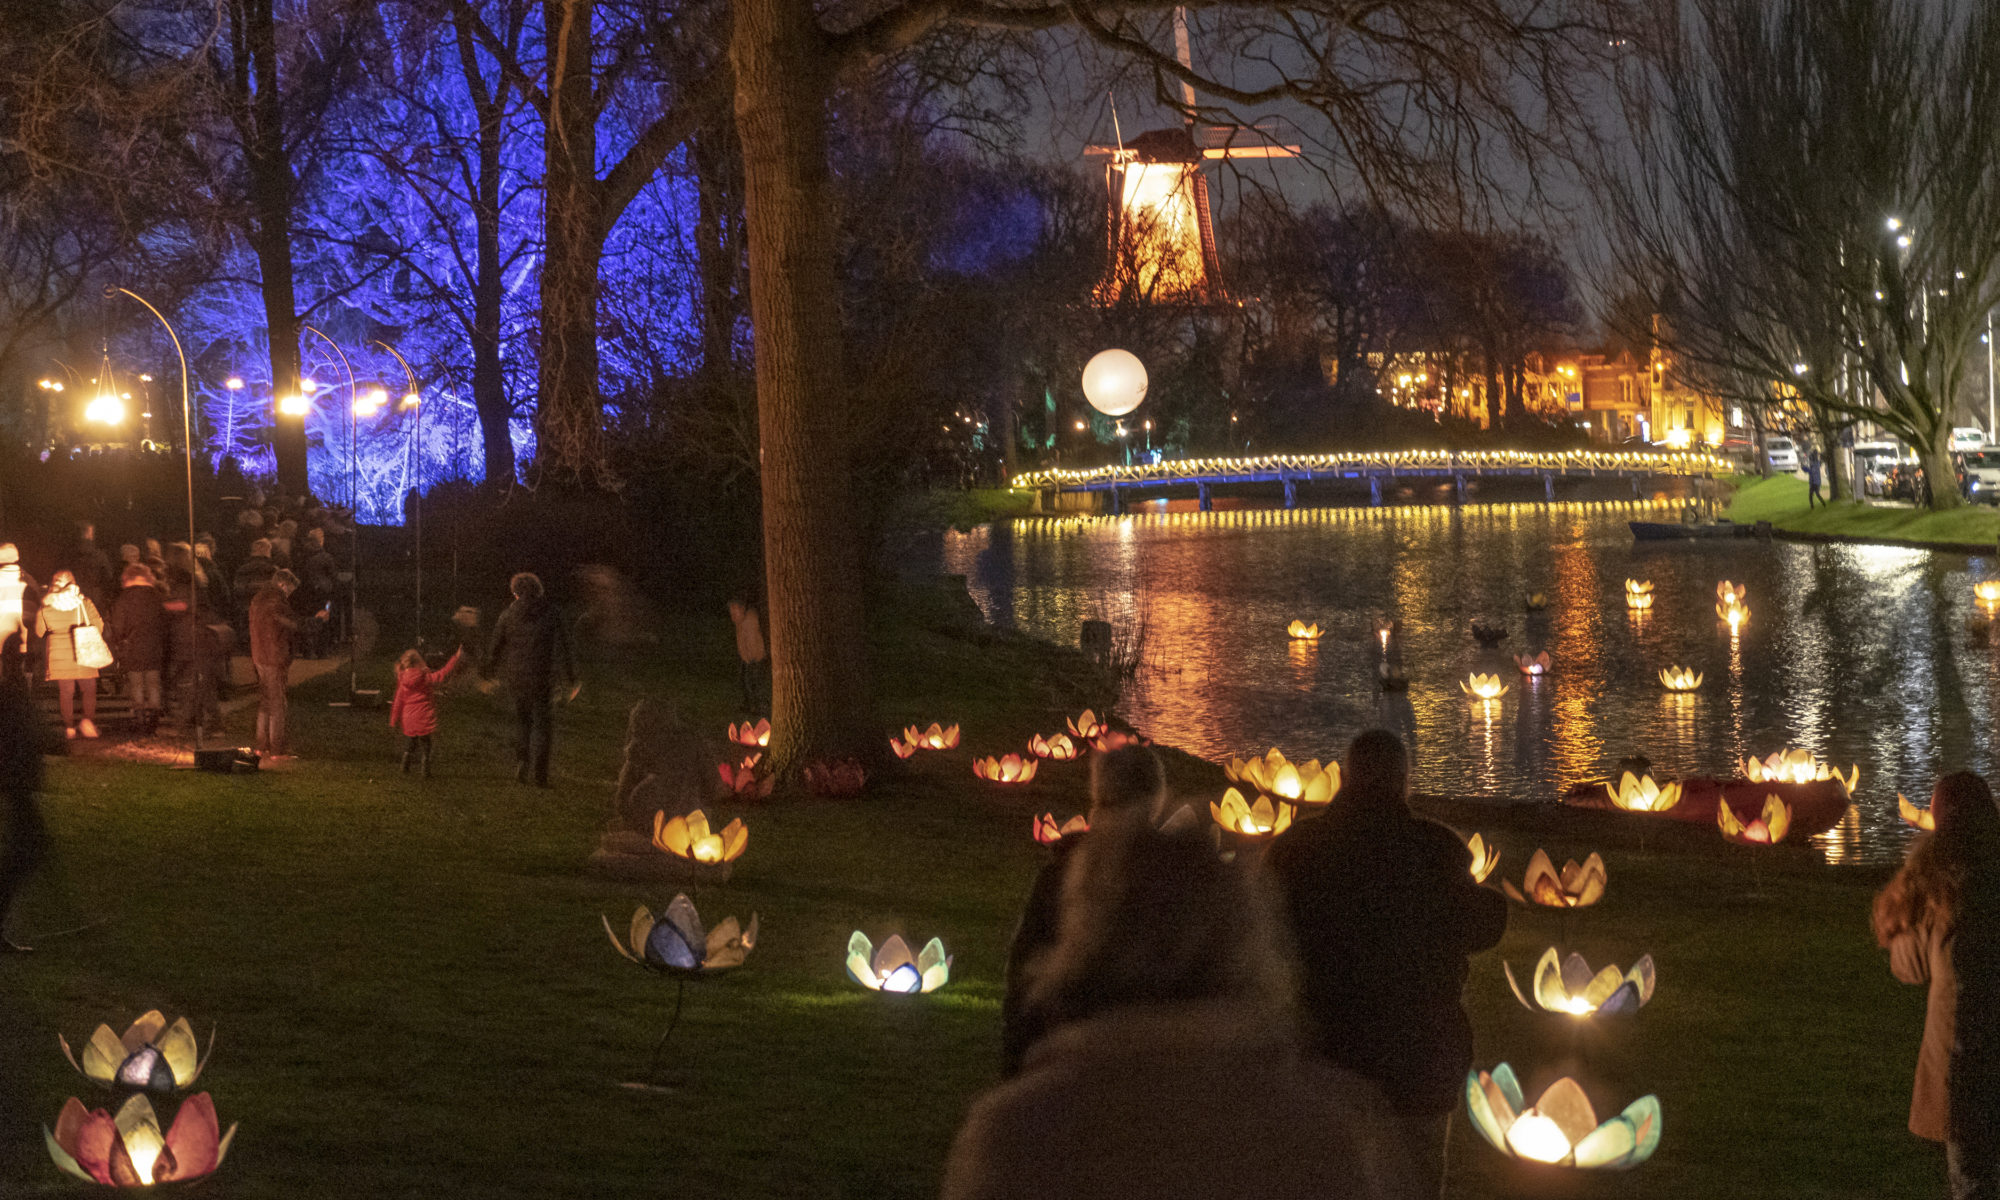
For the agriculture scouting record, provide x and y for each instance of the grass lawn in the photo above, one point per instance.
(414, 997)
(1781, 500)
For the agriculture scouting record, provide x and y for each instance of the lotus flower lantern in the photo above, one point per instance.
(1485, 857)
(1680, 679)
(1573, 887)
(1735, 615)
(744, 779)
(1048, 831)
(1273, 775)
(1568, 986)
(1533, 665)
(1987, 591)
(1921, 818)
(934, 738)
(1797, 766)
(1085, 726)
(152, 1056)
(1729, 594)
(129, 1150)
(1483, 688)
(1059, 747)
(893, 970)
(675, 943)
(1639, 594)
(1560, 1128)
(1300, 631)
(1258, 819)
(1008, 768)
(747, 734)
(1638, 793)
(1535, 601)
(688, 838)
(1767, 829)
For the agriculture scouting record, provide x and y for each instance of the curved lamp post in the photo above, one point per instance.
(413, 402)
(354, 514)
(187, 446)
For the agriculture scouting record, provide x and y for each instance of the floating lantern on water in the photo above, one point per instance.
(152, 1056)
(1274, 776)
(892, 969)
(1484, 857)
(1728, 594)
(688, 837)
(1638, 793)
(1484, 688)
(1561, 1128)
(129, 1150)
(1008, 768)
(1734, 614)
(1085, 726)
(1048, 832)
(676, 944)
(1261, 819)
(1639, 594)
(1059, 747)
(1797, 766)
(743, 778)
(1304, 632)
(1533, 664)
(1768, 829)
(1922, 818)
(747, 734)
(838, 780)
(1567, 985)
(1385, 628)
(1575, 887)
(934, 738)
(1680, 679)
(1535, 601)
(1987, 591)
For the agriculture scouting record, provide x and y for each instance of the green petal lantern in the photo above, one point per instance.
(152, 1056)
(1568, 986)
(1560, 1129)
(893, 970)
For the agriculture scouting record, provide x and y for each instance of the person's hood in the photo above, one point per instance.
(66, 599)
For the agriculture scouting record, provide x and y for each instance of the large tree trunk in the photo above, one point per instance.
(1941, 472)
(271, 186)
(569, 420)
(819, 695)
(489, 381)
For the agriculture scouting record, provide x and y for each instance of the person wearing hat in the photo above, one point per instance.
(16, 596)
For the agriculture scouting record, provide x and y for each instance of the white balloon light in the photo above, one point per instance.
(1114, 382)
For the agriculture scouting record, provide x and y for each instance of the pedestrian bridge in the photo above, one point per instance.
(1114, 483)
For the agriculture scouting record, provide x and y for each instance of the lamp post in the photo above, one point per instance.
(187, 447)
(354, 515)
(413, 403)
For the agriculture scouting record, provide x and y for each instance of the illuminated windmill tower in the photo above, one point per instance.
(1160, 241)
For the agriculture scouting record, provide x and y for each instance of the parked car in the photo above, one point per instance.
(1875, 461)
(1782, 456)
(1981, 469)
(1967, 438)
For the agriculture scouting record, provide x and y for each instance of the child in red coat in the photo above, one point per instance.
(414, 711)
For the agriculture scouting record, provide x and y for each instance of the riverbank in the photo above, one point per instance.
(413, 992)
(1782, 500)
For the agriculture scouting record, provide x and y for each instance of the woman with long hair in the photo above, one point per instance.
(1918, 918)
(64, 609)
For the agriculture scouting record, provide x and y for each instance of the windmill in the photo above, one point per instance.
(1160, 239)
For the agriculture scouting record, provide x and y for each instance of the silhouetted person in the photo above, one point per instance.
(1172, 1068)
(271, 628)
(1812, 479)
(1938, 920)
(529, 647)
(23, 836)
(90, 565)
(137, 631)
(1384, 913)
(1126, 785)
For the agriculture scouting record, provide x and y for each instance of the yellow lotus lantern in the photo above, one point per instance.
(1483, 687)
(1797, 766)
(1534, 664)
(1680, 679)
(1922, 818)
(1008, 768)
(1728, 594)
(1639, 594)
(1484, 857)
(743, 779)
(1767, 829)
(1559, 1129)
(1273, 775)
(934, 738)
(675, 943)
(1304, 632)
(129, 1150)
(1987, 591)
(1385, 628)
(1735, 614)
(1638, 793)
(1568, 986)
(1086, 726)
(893, 970)
(688, 837)
(747, 734)
(152, 1056)
(1573, 887)
(1259, 819)
(1535, 601)
(1048, 832)
(1059, 747)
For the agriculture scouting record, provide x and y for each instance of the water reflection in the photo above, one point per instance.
(1858, 654)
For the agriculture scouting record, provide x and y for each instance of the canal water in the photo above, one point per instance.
(1867, 656)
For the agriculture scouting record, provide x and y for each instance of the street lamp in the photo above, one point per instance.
(354, 515)
(187, 448)
(413, 403)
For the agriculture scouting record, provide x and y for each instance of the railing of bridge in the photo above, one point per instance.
(1219, 470)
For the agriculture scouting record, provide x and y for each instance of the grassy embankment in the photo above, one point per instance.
(414, 997)
(1781, 500)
